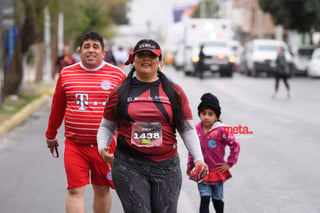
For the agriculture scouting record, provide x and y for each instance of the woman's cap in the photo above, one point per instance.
(210, 101)
(149, 45)
(144, 44)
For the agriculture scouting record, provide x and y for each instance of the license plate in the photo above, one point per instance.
(214, 67)
(208, 61)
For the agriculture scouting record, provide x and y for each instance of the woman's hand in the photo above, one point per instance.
(189, 172)
(106, 155)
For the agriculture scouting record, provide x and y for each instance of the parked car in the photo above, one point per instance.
(301, 59)
(168, 58)
(313, 68)
(219, 58)
(178, 58)
(237, 52)
(260, 54)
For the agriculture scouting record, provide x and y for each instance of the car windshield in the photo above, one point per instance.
(267, 48)
(305, 52)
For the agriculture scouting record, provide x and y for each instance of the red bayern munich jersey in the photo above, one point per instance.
(147, 102)
(79, 99)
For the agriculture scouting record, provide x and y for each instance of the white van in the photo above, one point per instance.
(260, 56)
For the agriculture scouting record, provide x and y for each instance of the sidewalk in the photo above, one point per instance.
(25, 112)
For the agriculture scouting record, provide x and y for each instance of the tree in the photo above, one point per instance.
(94, 15)
(29, 18)
(210, 7)
(117, 13)
(299, 15)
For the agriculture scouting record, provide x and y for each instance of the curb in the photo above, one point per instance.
(23, 114)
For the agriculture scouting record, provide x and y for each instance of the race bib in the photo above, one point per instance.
(146, 134)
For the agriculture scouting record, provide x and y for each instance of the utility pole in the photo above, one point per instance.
(6, 22)
(261, 24)
(203, 9)
(60, 32)
(47, 41)
(2, 82)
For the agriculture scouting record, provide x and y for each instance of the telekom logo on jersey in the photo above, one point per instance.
(82, 99)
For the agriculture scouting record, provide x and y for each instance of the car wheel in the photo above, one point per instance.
(187, 73)
(308, 73)
(254, 72)
(248, 72)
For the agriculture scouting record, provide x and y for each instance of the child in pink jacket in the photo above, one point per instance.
(214, 137)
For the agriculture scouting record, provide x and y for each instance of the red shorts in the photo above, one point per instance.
(82, 160)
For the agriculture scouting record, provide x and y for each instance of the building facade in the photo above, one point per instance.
(249, 20)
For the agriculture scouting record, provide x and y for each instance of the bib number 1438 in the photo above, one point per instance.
(146, 134)
(149, 135)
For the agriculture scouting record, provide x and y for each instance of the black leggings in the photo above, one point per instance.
(278, 77)
(145, 186)
(204, 205)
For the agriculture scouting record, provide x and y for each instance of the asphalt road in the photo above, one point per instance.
(276, 172)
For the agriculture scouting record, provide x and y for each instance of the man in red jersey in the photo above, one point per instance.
(80, 96)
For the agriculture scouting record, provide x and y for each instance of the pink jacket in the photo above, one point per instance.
(213, 145)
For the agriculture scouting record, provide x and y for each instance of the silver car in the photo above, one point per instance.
(313, 69)
(301, 59)
(260, 55)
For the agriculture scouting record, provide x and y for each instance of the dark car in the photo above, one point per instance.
(219, 58)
